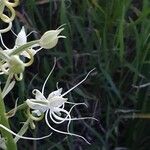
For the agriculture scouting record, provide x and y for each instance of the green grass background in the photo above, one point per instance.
(112, 36)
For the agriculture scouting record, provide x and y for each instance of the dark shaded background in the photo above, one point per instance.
(111, 35)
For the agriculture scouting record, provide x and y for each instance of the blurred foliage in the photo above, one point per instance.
(111, 35)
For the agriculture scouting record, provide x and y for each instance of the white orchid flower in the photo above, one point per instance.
(54, 106)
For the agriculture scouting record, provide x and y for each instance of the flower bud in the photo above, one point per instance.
(50, 38)
(16, 65)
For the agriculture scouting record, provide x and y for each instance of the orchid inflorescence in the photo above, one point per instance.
(13, 62)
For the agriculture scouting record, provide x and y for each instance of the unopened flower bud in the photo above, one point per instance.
(50, 38)
(16, 65)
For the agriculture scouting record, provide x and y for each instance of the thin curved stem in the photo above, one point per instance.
(7, 28)
(74, 119)
(24, 137)
(78, 83)
(55, 116)
(49, 76)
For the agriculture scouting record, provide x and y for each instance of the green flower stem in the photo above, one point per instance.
(10, 144)
(24, 47)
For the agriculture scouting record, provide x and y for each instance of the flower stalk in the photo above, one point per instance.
(24, 47)
(10, 143)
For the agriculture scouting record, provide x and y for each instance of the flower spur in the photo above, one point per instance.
(54, 106)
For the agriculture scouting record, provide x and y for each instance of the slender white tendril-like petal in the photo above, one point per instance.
(77, 84)
(7, 28)
(24, 137)
(142, 85)
(63, 119)
(57, 85)
(52, 114)
(68, 125)
(68, 116)
(76, 104)
(72, 103)
(62, 132)
(13, 33)
(73, 119)
(61, 26)
(26, 35)
(54, 106)
(31, 33)
(49, 76)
